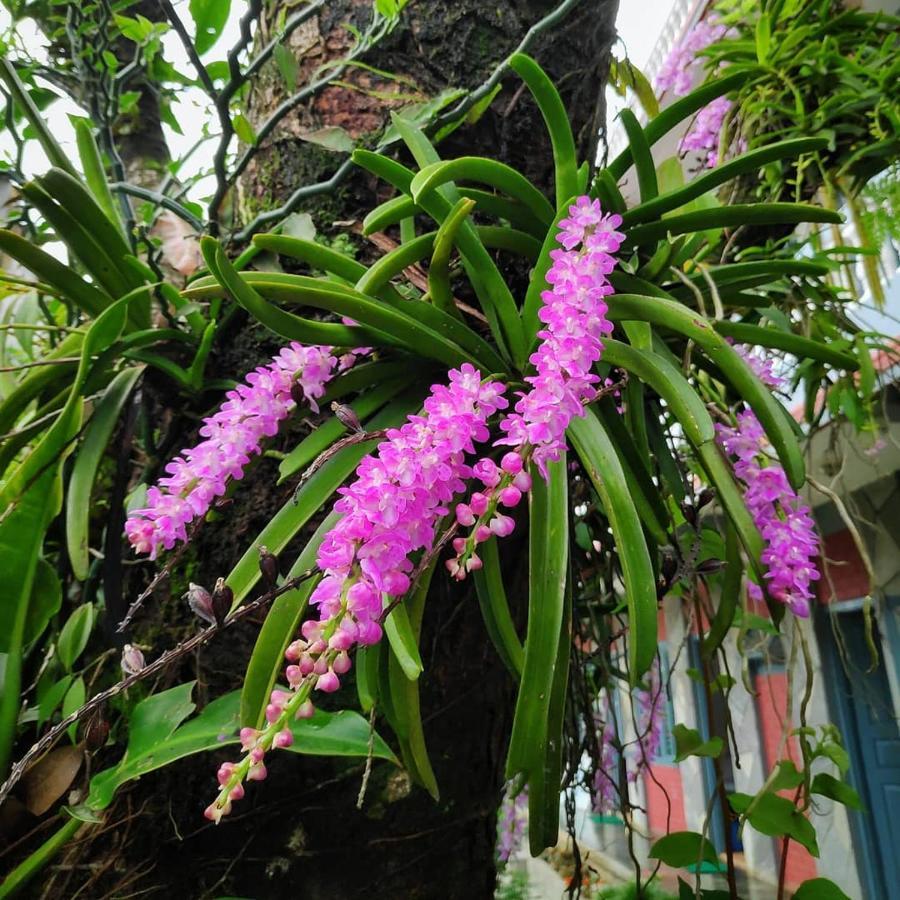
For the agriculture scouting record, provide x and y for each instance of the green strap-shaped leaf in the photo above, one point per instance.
(677, 317)
(557, 121)
(687, 407)
(404, 689)
(645, 494)
(607, 192)
(71, 194)
(278, 630)
(503, 237)
(800, 346)
(546, 781)
(403, 642)
(391, 212)
(40, 380)
(87, 461)
(733, 168)
(729, 596)
(548, 555)
(439, 286)
(485, 171)
(383, 323)
(749, 214)
(283, 323)
(313, 253)
(495, 608)
(70, 285)
(603, 467)
(643, 158)
(94, 173)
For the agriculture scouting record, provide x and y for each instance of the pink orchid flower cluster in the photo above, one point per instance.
(783, 519)
(512, 822)
(574, 317)
(679, 70)
(706, 131)
(390, 511)
(232, 436)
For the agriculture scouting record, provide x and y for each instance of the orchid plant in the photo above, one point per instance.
(601, 379)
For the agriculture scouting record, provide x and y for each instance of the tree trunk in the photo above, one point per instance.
(299, 834)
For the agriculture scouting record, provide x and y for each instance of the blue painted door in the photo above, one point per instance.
(864, 712)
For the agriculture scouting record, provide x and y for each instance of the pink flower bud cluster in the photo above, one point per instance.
(706, 130)
(679, 70)
(512, 822)
(390, 511)
(233, 434)
(783, 519)
(571, 342)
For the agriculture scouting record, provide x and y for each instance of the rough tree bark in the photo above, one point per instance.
(299, 833)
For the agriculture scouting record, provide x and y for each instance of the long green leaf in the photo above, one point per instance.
(485, 171)
(800, 346)
(598, 456)
(676, 113)
(71, 285)
(746, 163)
(749, 214)
(94, 173)
(439, 286)
(32, 114)
(545, 783)
(643, 158)
(557, 121)
(548, 555)
(495, 608)
(729, 595)
(87, 461)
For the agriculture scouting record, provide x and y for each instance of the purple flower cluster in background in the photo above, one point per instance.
(512, 820)
(706, 130)
(679, 70)
(232, 435)
(783, 519)
(571, 342)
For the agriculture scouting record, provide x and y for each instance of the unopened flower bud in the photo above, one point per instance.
(328, 683)
(283, 739)
(459, 545)
(200, 601)
(268, 567)
(346, 416)
(479, 503)
(510, 496)
(473, 563)
(257, 772)
(464, 515)
(483, 533)
(305, 710)
(222, 598)
(342, 663)
(511, 462)
(294, 675)
(132, 660)
(523, 481)
(502, 526)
